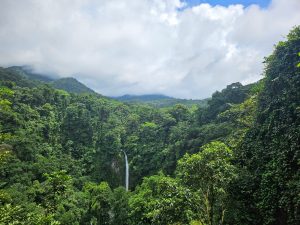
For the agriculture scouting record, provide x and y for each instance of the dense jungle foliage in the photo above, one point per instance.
(235, 161)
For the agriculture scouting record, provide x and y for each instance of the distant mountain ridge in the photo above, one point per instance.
(159, 100)
(149, 97)
(25, 77)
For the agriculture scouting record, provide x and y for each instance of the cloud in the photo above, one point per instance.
(144, 46)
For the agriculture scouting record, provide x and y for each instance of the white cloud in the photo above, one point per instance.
(144, 46)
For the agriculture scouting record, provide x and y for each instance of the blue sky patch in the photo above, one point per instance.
(261, 3)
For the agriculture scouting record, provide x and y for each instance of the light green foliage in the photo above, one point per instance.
(5, 95)
(99, 202)
(15, 215)
(56, 187)
(161, 200)
(7, 116)
(209, 174)
(5, 154)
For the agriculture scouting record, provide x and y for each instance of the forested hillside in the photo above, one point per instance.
(71, 85)
(234, 161)
(160, 101)
(24, 77)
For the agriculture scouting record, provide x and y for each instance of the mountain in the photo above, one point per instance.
(159, 101)
(23, 76)
(72, 85)
(27, 72)
(8, 76)
(142, 98)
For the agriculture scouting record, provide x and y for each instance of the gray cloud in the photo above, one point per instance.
(144, 46)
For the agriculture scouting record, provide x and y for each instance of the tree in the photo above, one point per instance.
(161, 200)
(208, 173)
(56, 189)
(179, 112)
(120, 207)
(76, 127)
(270, 150)
(99, 203)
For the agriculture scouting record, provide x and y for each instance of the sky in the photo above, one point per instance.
(185, 49)
(261, 3)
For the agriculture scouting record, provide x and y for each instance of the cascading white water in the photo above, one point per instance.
(126, 171)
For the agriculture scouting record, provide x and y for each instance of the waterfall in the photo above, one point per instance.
(126, 171)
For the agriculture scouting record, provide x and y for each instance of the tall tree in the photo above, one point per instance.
(209, 173)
